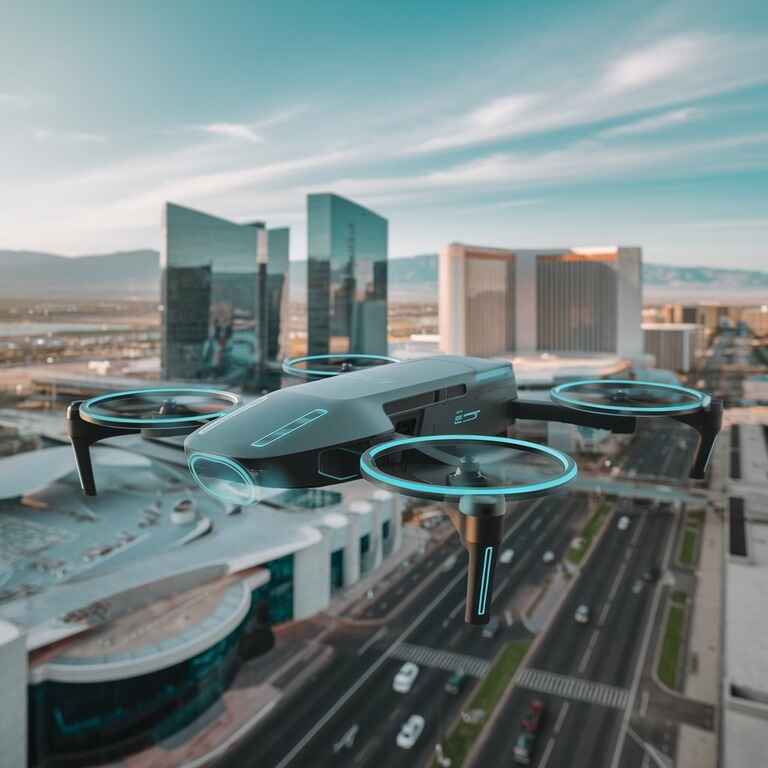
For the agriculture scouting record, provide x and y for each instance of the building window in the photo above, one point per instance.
(337, 570)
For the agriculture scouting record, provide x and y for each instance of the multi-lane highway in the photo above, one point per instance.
(584, 672)
(352, 700)
(660, 450)
(349, 715)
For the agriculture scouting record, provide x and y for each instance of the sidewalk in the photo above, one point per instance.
(703, 674)
(697, 748)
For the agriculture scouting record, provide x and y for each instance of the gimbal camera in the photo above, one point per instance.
(432, 428)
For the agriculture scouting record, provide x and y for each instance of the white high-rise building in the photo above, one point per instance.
(674, 346)
(573, 300)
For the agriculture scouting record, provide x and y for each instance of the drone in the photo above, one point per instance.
(433, 428)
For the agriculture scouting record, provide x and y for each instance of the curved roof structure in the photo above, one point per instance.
(26, 473)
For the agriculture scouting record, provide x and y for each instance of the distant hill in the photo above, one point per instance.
(123, 273)
(704, 277)
(136, 273)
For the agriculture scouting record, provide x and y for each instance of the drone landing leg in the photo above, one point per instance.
(707, 423)
(83, 435)
(480, 523)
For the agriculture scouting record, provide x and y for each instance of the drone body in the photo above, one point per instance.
(313, 434)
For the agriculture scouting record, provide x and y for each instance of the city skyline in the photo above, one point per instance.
(601, 124)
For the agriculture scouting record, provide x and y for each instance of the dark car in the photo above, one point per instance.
(652, 574)
(523, 748)
(531, 722)
(455, 682)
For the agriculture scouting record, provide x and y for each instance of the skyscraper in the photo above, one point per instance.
(347, 277)
(221, 298)
(495, 300)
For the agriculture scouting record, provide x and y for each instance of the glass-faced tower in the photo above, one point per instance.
(347, 277)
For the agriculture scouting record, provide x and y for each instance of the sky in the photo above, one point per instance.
(511, 124)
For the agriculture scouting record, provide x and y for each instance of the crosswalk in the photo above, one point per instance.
(432, 657)
(573, 688)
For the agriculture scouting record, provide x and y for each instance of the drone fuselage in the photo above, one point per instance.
(313, 434)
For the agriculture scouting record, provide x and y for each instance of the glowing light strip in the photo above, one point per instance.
(485, 580)
(160, 420)
(496, 373)
(247, 498)
(291, 426)
(702, 400)
(369, 470)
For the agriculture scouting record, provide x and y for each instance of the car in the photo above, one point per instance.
(623, 523)
(548, 556)
(410, 731)
(581, 616)
(651, 574)
(506, 556)
(491, 628)
(524, 748)
(405, 678)
(456, 682)
(637, 587)
(531, 722)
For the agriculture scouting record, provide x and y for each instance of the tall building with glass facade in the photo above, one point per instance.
(224, 290)
(572, 300)
(347, 277)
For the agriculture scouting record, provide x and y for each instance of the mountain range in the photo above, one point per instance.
(33, 274)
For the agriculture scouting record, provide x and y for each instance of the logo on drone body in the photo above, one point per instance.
(462, 417)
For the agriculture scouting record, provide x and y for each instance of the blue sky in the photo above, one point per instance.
(498, 123)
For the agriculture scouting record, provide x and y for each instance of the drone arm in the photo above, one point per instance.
(543, 411)
(707, 422)
(83, 435)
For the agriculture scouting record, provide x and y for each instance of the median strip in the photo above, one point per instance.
(485, 698)
(577, 551)
(669, 658)
(688, 554)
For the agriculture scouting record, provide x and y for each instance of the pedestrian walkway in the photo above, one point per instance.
(432, 657)
(573, 688)
(703, 675)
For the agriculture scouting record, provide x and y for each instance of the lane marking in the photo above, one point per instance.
(547, 752)
(644, 702)
(604, 613)
(588, 653)
(617, 581)
(588, 691)
(439, 659)
(563, 712)
(371, 640)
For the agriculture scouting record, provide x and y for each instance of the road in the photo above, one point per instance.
(661, 449)
(356, 689)
(583, 673)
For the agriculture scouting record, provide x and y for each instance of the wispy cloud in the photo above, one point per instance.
(239, 131)
(252, 132)
(649, 65)
(674, 70)
(84, 137)
(668, 119)
(582, 161)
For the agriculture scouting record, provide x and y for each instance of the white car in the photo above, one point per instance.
(548, 556)
(405, 678)
(623, 523)
(582, 615)
(506, 556)
(410, 731)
